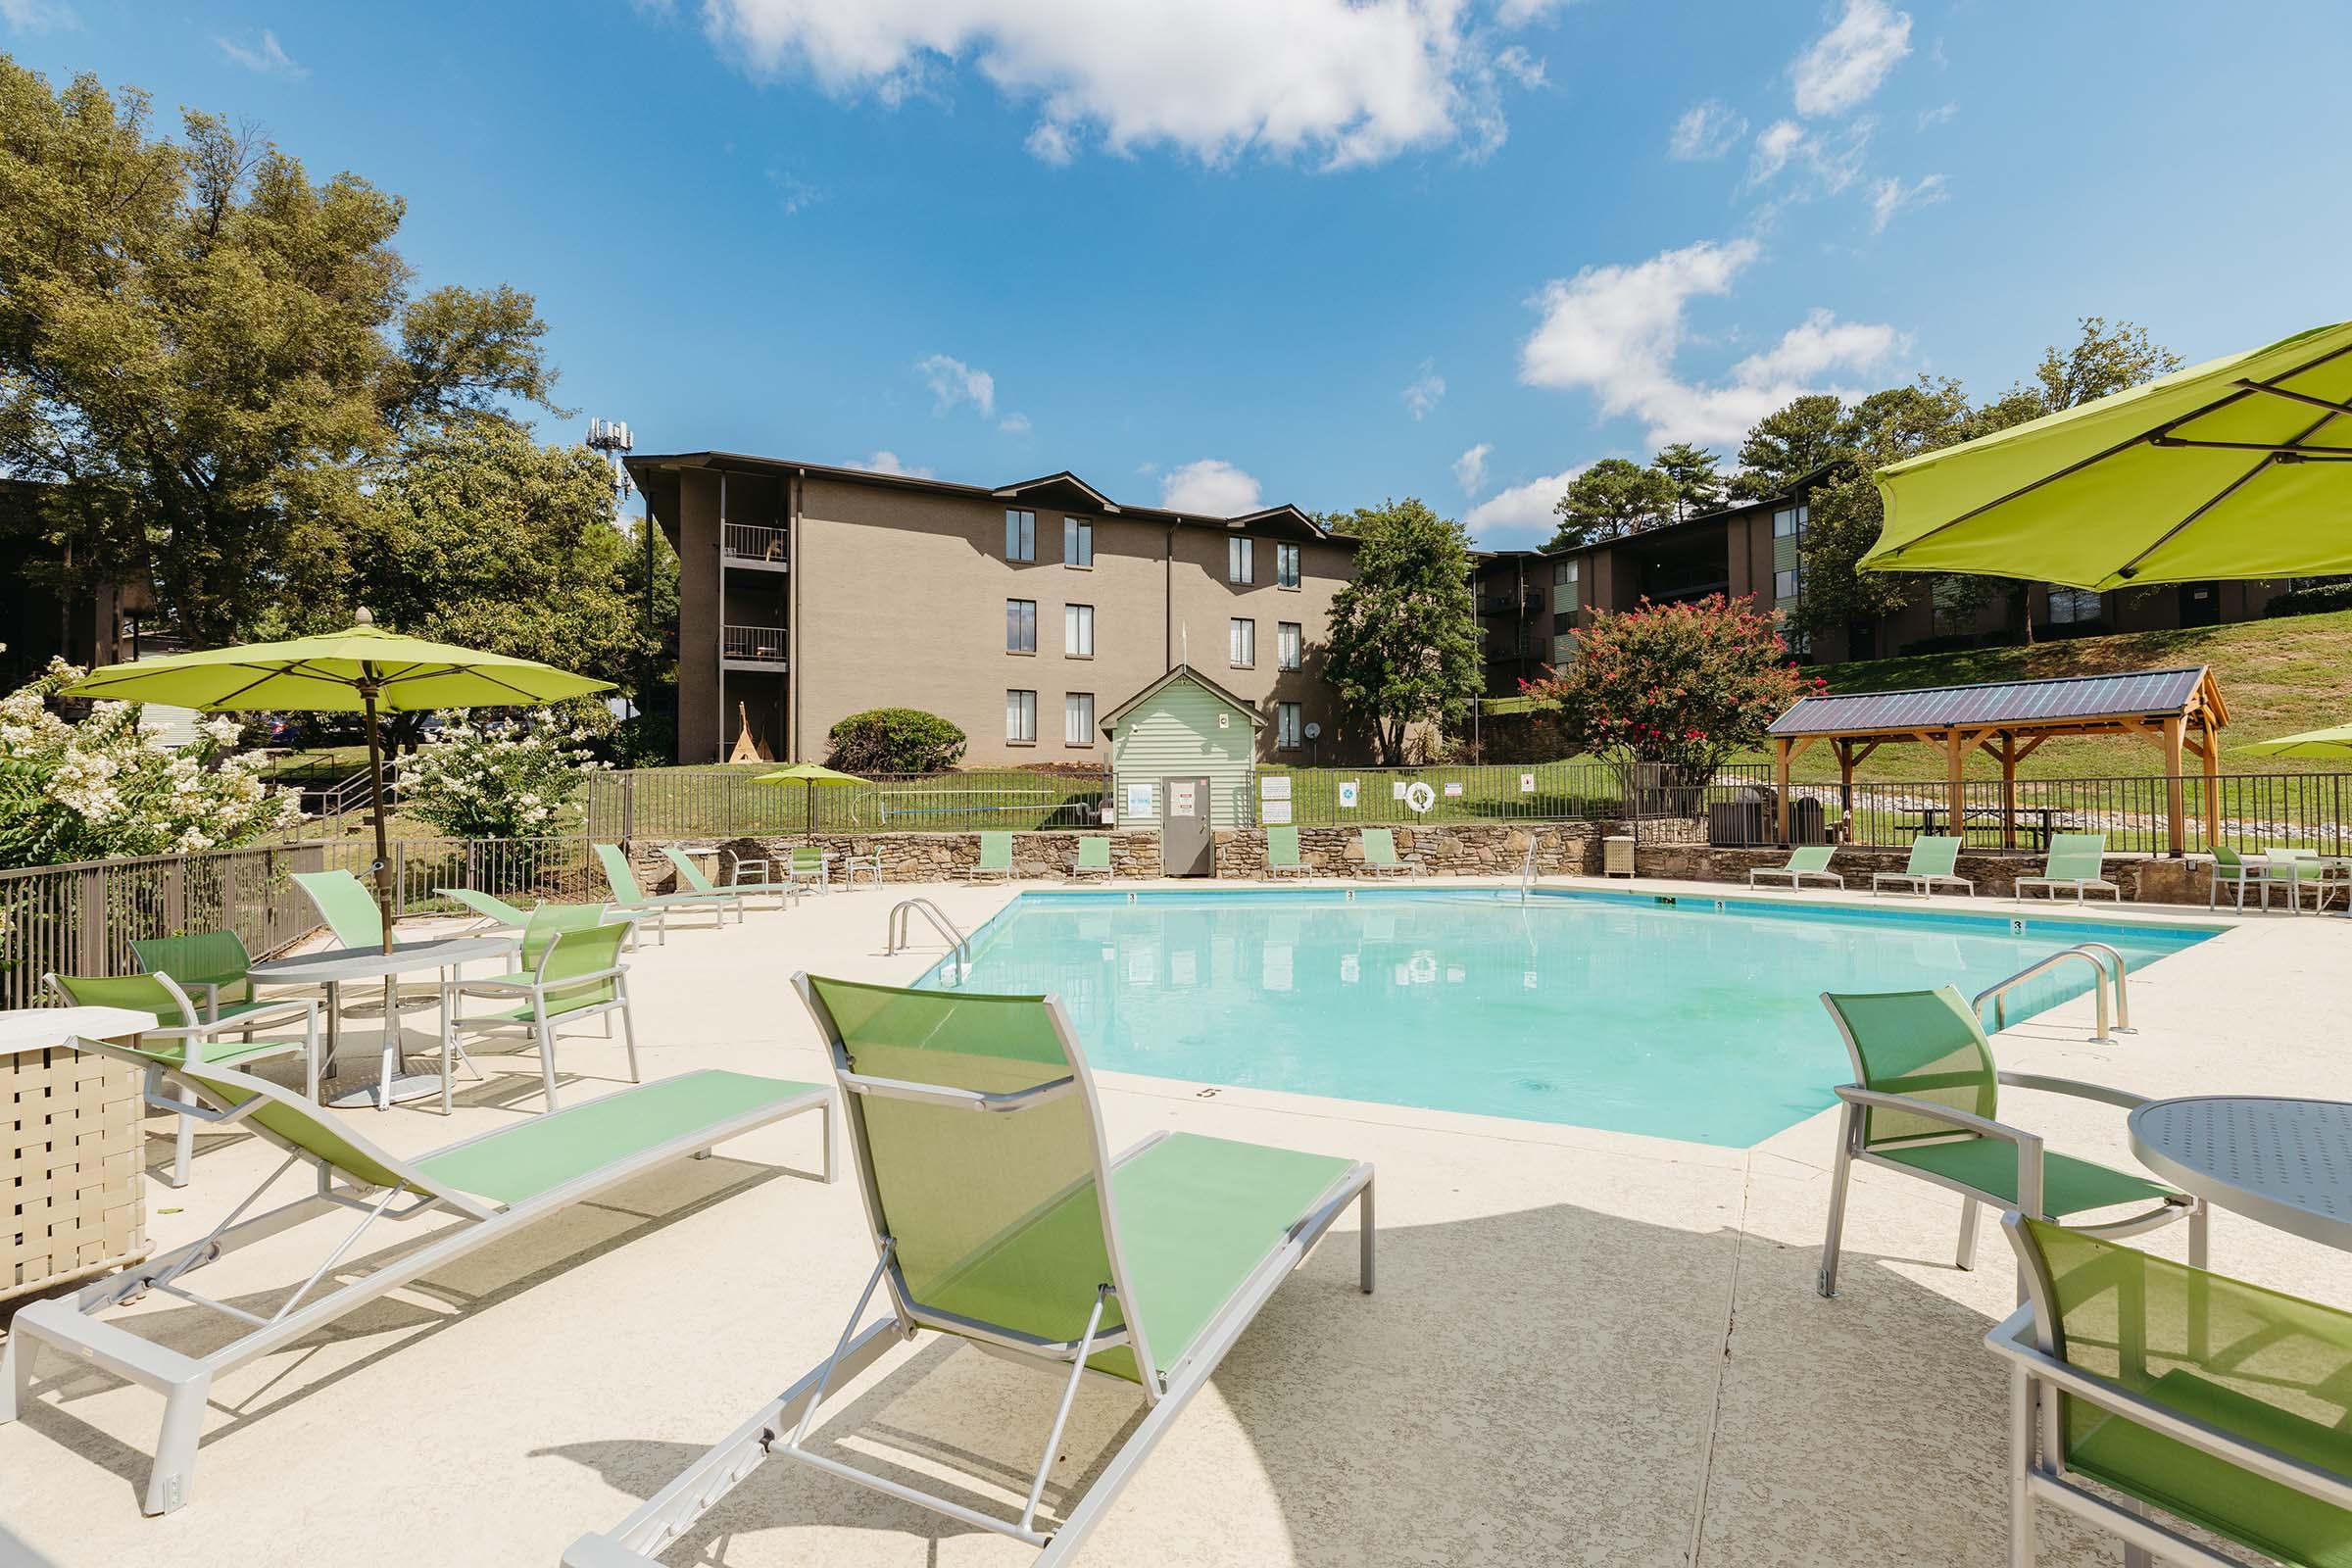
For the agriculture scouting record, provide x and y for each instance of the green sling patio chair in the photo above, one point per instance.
(570, 970)
(1380, 850)
(1093, 854)
(1282, 853)
(1015, 1229)
(486, 1187)
(632, 899)
(1924, 1103)
(495, 913)
(162, 994)
(2293, 871)
(2233, 870)
(2075, 860)
(996, 855)
(2200, 1399)
(692, 880)
(217, 968)
(1806, 861)
(1933, 859)
(809, 865)
(346, 906)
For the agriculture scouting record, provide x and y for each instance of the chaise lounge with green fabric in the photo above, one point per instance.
(692, 880)
(1804, 860)
(488, 1187)
(1282, 853)
(630, 897)
(1380, 850)
(1924, 1102)
(2077, 860)
(999, 1217)
(2203, 1401)
(1931, 865)
(1093, 854)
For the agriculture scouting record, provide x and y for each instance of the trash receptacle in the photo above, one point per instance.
(1617, 855)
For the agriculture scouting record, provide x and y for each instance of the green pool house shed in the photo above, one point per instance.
(1183, 752)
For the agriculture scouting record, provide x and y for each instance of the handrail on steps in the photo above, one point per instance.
(896, 935)
(1995, 991)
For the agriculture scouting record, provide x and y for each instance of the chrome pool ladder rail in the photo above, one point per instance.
(958, 943)
(2121, 981)
(1998, 990)
(1526, 866)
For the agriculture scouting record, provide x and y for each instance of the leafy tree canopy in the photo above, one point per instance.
(1788, 443)
(1691, 469)
(1611, 499)
(1404, 637)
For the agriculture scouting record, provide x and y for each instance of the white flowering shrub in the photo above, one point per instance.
(100, 790)
(500, 779)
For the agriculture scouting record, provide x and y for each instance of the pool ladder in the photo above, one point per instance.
(2100, 955)
(1526, 866)
(895, 937)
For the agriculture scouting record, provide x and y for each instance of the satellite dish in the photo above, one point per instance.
(1314, 731)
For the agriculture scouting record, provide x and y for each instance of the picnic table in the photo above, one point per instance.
(2034, 820)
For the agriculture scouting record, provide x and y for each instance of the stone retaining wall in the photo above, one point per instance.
(1451, 849)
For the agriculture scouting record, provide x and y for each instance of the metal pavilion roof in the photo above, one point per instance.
(2065, 699)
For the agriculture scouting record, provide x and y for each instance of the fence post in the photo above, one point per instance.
(89, 935)
(400, 878)
(628, 807)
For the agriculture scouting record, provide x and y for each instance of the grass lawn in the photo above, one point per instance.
(722, 797)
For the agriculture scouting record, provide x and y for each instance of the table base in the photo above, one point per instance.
(402, 1089)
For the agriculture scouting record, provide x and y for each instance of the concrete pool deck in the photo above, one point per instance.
(1587, 1346)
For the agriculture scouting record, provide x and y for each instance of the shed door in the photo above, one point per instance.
(1185, 840)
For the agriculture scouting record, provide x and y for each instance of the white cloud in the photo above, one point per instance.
(1427, 388)
(887, 461)
(1015, 424)
(952, 381)
(38, 15)
(1844, 66)
(1510, 516)
(1941, 114)
(1519, 12)
(1706, 131)
(266, 56)
(1520, 67)
(1470, 469)
(1889, 197)
(792, 192)
(1616, 331)
(1775, 144)
(1211, 487)
(1346, 82)
(1831, 164)
(1051, 143)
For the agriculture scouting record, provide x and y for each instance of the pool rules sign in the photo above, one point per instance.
(1274, 799)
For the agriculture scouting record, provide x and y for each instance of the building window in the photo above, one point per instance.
(1785, 584)
(1290, 643)
(1563, 573)
(1020, 717)
(1020, 536)
(2070, 605)
(1286, 726)
(1020, 625)
(1077, 542)
(1563, 650)
(1245, 643)
(1286, 566)
(1790, 522)
(1241, 561)
(1078, 718)
(1078, 630)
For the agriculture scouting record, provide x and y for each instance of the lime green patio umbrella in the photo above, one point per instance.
(2240, 468)
(2330, 743)
(362, 669)
(811, 777)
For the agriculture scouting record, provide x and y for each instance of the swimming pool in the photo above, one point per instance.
(1698, 1019)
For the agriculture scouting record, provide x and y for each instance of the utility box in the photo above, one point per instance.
(1617, 855)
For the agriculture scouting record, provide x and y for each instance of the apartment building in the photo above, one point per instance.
(1023, 613)
(1530, 601)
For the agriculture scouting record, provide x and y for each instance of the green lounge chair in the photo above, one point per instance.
(632, 899)
(2075, 860)
(2200, 1399)
(690, 879)
(996, 855)
(489, 1186)
(495, 913)
(1806, 859)
(2293, 870)
(217, 965)
(1923, 1102)
(1282, 853)
(1093, 854)
(2233, 870)
(162, 994)
(1931, 865)
(571, 970)
(1380, 850)
(1014, 1229)
(347, 907)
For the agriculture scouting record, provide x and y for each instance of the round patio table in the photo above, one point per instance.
(40, 1028)
(2285, 1162)
(337, 967)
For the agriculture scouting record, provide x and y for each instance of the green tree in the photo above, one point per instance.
(1691, 469)
(1609, 500)
(2102, 361)
(1788, 443)
(212, 357)
(1404, 637)
(1844, 511)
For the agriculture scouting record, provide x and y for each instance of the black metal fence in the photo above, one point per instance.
(2243, 812)
(1492, 792)
(728, 803)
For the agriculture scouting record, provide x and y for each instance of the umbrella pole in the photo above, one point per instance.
(375, 780)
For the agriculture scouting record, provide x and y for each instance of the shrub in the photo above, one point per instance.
(503, 779)
(895, 740)
(2316, 600)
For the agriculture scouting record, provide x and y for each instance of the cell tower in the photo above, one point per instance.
(612, 437)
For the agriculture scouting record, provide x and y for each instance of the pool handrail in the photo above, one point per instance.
(1993, 993)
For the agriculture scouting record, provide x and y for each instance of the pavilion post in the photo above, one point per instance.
(2213, 786)
(1780, 785)
(1955, 753)
(2008, 792)
(2175, 805)
(1845, 780)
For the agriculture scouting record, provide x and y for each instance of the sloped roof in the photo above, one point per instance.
(2008, 705)
(1112, 719)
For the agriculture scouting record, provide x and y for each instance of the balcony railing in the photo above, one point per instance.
(745, 541)
(763, 644)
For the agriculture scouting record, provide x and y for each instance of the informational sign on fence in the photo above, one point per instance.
(1527, 783)
(1346, 795)
(1397, 789)
(1453, 792)
(1274, 787)
(1274, 813)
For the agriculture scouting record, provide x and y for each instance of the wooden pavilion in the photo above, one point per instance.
(2178, 710)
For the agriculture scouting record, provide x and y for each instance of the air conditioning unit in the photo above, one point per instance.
(1617, 855)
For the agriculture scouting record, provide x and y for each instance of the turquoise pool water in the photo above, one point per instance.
(1612, 1011)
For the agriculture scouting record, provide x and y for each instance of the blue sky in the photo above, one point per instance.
(1295, 250)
